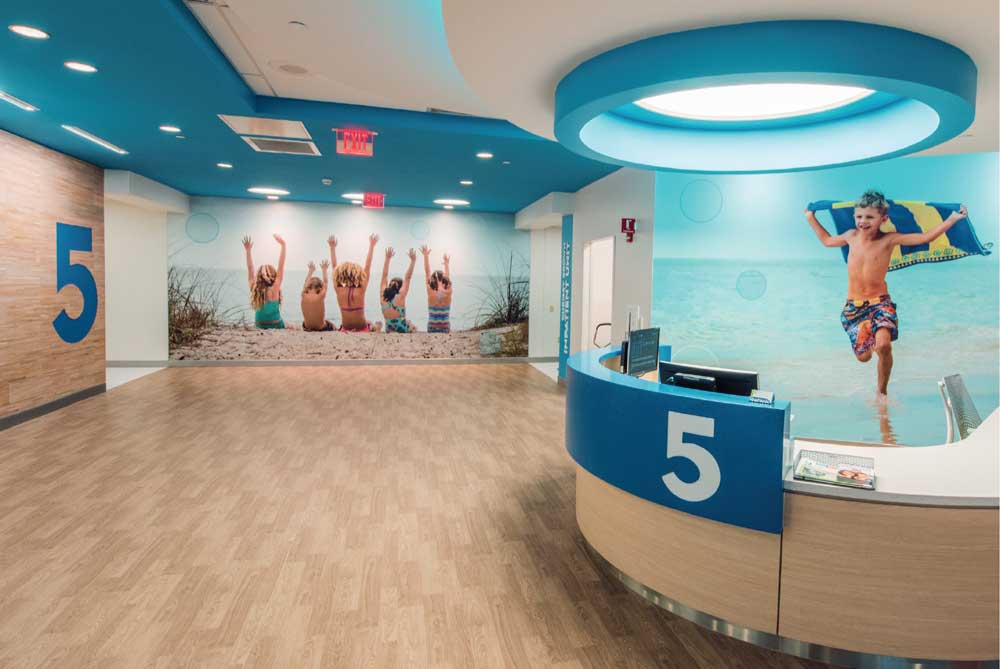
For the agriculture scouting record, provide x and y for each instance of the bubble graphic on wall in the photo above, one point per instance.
(202, 228)
(751, 284)
(419, 230)
(701, 200)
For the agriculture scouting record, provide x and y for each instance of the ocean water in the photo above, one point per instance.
(782, 319)
(468, 299)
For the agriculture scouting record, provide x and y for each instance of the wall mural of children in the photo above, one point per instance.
(265, 287)
(350, 282)
(314, 300)
(439, 294)
(393, 295)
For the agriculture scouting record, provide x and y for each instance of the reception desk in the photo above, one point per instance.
(687, 497)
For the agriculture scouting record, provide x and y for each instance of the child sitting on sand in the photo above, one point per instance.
(439, 293)
(351, 281)
(265, 287)
(394, 295)
(314, 300)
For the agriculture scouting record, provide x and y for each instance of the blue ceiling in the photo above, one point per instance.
(157, 66)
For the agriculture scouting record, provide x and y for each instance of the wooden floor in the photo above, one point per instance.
(302, 517)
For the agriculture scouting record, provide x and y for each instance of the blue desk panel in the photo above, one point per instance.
(708, 454)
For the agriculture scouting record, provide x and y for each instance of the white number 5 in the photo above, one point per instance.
(709, 476)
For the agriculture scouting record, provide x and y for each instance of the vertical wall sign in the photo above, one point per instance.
(565, 292)
(628, 229)
(355, 142)
(71, 238)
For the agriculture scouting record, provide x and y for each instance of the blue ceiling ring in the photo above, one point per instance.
(934, 81)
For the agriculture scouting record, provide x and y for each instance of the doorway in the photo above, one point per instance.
(598, 291)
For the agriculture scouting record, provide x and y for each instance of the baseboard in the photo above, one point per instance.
(48, 407)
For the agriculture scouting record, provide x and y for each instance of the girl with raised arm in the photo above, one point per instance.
(394, 293)
(439, 293)
(351, 282)
(265, 287)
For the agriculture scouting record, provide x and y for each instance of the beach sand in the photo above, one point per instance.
(239, 342)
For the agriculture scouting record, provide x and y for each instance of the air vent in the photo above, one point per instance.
(271, 145)
(265, 127)
(438, 110)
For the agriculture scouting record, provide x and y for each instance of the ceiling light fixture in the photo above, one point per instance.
(169, 128)
(28, 31)
(327, 182)
(449, 206)
(96, 140)
(267, 190)
(506, 162)
(181, 137)
(357, 201)
(452, 201)
(225, 166)
(753, 102)
(80, 67)
(485, 155)
(17, 102)
(353, 196)
(272, 197)
(465, 182)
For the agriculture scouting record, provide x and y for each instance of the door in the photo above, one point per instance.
(598, 289)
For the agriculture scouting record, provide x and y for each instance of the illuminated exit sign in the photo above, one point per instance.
(373, 201)
(355, 142)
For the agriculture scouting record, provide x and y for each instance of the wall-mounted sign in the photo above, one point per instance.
(355, 142)
(373, 201)
(71, 238)
(628, 229)
(565, 292)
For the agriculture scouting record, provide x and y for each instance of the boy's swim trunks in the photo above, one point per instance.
(862, 320)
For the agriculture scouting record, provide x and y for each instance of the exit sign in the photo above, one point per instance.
(373, 201)
(355, 142)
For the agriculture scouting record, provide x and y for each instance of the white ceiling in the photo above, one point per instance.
(383, 53)
(513, 53)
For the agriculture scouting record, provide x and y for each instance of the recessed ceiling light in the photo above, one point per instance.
(267, 190)
(17, 102)
(353, 196)
(181, 137)
(451, 201)
(465, 182)
(484, 154)
(169, 128)
(96, 140)
(272, 197)
(80, 67)
(753, 102)
(449, 206)
(327, 182)
(506, 162)
(28, 31)
(225, 166)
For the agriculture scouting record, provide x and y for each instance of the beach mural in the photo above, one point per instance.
(263, 280)
(749, 273)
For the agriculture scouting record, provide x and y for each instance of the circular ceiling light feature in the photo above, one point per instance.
(169, 128)
(80, 67)
(353, 196)
(465, 182)
(924, 95)
(267, 190)
(485, 155)
(28, 31)
(449, 206)
(452, 201)
(753, 102)
(327, 182)
(225, 166)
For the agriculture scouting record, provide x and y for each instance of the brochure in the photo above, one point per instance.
(846, 470)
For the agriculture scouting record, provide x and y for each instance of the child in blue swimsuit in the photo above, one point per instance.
(439, 294)
(394, 295)
(265, 287)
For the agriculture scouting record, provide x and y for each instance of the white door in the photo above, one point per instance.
(598, 289)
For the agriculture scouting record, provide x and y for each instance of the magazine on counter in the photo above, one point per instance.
(847, 470)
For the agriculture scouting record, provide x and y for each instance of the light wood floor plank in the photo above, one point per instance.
(410, 516)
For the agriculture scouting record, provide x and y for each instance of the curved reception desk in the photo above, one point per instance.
(687, 496)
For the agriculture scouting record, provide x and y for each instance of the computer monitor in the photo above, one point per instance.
(728, 381)
(643, 351)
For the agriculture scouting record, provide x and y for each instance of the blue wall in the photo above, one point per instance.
(740, 279)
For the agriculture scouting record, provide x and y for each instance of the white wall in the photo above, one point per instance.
(543, 331)
(598, 210)
(135, 282)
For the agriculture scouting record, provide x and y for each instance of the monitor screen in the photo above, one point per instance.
(643, 351)
(729, 381)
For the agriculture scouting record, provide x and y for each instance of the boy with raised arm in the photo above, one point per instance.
(869, 316)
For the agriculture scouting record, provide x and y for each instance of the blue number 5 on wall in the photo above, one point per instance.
(74, 238)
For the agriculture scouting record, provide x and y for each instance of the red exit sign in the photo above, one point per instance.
(355, 142)
(373, 201)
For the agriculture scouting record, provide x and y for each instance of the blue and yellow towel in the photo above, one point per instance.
(907, 216)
